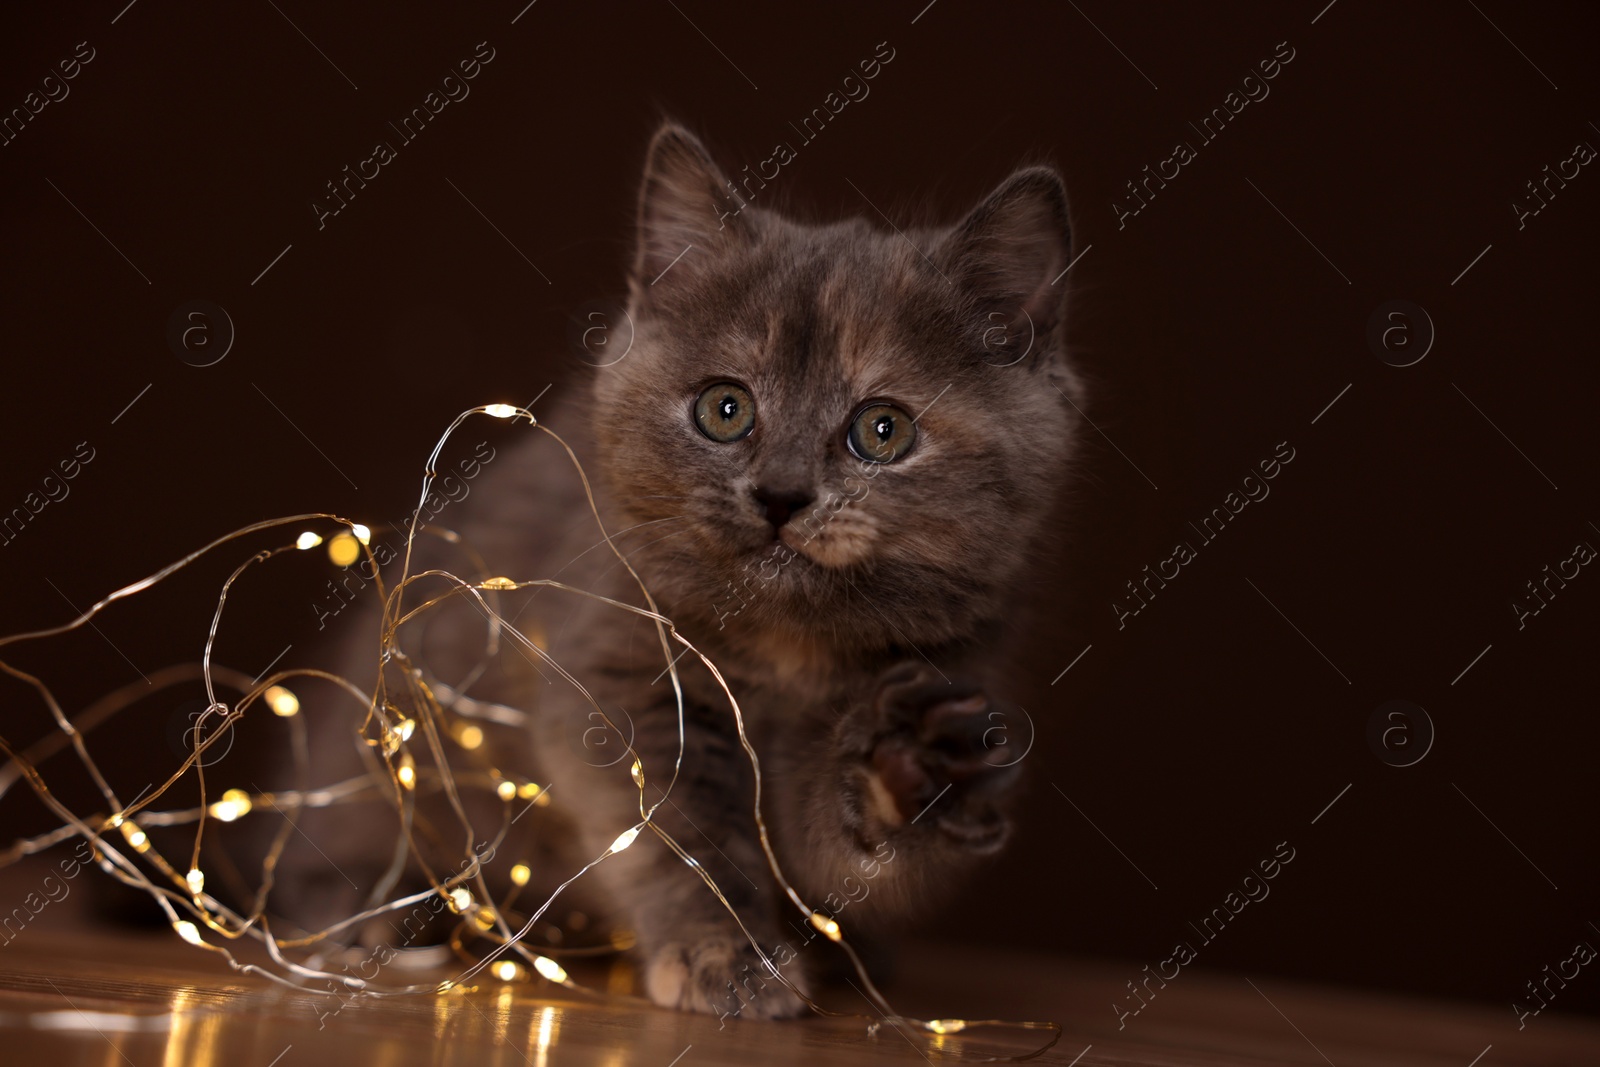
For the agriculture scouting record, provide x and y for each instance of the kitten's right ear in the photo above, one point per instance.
(686, 206)
(1010, 252)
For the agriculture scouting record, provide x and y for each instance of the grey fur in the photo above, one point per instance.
(877, 663)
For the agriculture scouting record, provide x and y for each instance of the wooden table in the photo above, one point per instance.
(114, 997)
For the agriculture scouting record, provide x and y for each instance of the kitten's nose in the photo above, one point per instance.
(779, 505)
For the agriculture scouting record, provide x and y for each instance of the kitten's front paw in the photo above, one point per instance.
(935, 761)
(720, 974)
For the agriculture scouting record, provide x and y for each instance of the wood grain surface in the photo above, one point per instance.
(109, 996)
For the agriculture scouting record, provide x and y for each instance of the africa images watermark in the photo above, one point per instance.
(1551, 582)
(385, 953)
(55, 889)
(52, 490)
(1252, 89)
(1553, 981)
(1551, 183)
(1184, 552)
(53, 89)
(752, 984)
(452, 89)
(443, 492)
(1253, 888)
(811, 126)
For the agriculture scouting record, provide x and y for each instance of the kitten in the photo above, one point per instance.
(828, 452)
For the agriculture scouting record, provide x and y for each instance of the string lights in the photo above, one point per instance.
(402, 713)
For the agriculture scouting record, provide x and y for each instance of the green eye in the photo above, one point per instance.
(881, 433)
(725, 412)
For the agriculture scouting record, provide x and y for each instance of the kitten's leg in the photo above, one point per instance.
(922, 772)
(694, 955)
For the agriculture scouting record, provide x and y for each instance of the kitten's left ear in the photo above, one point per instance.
(684, 204)
(1010, 251)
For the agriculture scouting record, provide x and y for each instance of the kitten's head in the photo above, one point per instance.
(842, 431)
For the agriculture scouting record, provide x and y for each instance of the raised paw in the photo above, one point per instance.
(943, 754)
(720, 974)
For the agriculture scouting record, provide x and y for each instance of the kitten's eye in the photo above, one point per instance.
(725, 412)
(881, 433)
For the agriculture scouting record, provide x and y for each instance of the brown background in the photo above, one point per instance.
(1197, 737)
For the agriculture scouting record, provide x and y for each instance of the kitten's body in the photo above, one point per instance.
(859, 630)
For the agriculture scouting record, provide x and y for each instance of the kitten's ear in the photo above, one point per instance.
(683, 201)
(1010, 251)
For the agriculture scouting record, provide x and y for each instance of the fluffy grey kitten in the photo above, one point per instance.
(828, 452)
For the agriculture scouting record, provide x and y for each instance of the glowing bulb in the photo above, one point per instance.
(470, 737)
(405, 728)
(135, 836)
(638, 774)
(624, 839)
(550, 969)
(363, 534)
(196, 880)
(343, 549)
(507, 790)
(307, 540)
(507, 970)
(497, 583)
(829, 928)
(947, 1026)
(234, 803)
(460, 899)
(407, 772)
(188, 931)
(484, 917)
(282, 702)
(529, 790)
(500, 411)
(520, 874)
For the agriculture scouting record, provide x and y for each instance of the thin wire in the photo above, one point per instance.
(391, 714)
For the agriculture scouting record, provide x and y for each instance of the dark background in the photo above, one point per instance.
(1216, 724)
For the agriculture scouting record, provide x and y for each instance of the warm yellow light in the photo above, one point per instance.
(234, 803)
(470, 737)
(484, 917)
(460, 900)
(535, 633)
(497, 583)
(550, 969)
(407, 771)
(507, 970)
(281, 701)
(638, 774)
(624, 839)
(829, 928)
(507, 790)
(531, 791)
(405, 728)
(343, 549)
(135, 836)
(363, 534)
(188, 931)
(500, 411)
(196, 880)
(307, 540)
(947, 1026)
(520, 874)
